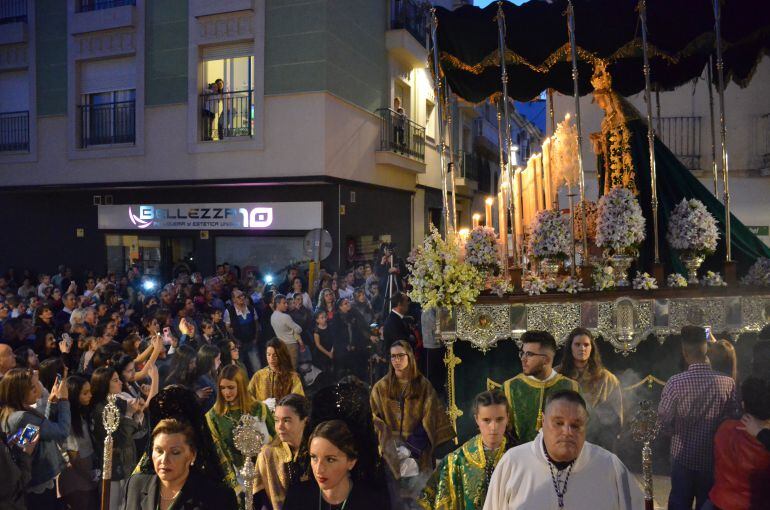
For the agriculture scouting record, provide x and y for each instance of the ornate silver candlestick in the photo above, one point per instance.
(249, 438)
(644, 429)
(111, 421)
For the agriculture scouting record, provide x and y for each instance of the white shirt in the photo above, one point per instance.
(284, 327)
(346, 292)
(522, 481)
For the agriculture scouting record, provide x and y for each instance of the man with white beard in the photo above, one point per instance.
(559, 470)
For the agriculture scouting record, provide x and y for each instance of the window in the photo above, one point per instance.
(227, 95)
(269, 254)
(430, 120)
(13, 11)
(108, 102)
(108, 118)
(14, 111)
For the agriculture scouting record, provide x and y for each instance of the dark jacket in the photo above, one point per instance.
(15, 465)
(198, 493)
(304, 496)
(396, 329)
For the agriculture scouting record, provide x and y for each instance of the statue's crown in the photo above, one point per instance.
(601, 79)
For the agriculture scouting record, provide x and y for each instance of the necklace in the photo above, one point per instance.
(559, 486)
(329, 505)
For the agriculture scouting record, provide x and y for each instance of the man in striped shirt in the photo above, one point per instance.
(692, 406)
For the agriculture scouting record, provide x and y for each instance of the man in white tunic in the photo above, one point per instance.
(559, 470)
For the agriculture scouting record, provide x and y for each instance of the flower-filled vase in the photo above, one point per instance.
(620, 263)
(692, 261)
(693, 232)
(619, 231)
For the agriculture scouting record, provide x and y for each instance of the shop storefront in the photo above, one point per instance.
(162, 239)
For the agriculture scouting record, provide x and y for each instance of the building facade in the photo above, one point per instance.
(151, 110)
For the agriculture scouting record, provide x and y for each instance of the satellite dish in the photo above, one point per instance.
(318, 244)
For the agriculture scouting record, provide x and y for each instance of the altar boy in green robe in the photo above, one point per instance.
(526, 393)
(461, 479)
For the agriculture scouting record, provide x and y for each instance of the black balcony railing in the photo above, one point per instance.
(399, 134)
(682, 135)
(95, 5)
(411, 16)
(226, 115)
(467, 165)
(13, 11)
(108, 123)
(14, 132)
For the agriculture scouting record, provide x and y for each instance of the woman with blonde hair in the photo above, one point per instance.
(410, 419)
(232, 402)
(277, 379)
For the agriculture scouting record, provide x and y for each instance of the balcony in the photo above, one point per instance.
(13, 20)
(200, 8)
(682, 135)
(485, 137)
(108, 124)
(14, 132)
(402, 141)
(97, 5)
(226, 115)
(407, 34)
(13, 11)
(97, 15)
(467, 173)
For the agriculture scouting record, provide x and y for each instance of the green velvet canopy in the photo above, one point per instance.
(681, 38)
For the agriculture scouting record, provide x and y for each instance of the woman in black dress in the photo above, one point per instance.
(335, 484)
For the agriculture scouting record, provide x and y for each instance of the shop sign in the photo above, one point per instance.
(235, 216)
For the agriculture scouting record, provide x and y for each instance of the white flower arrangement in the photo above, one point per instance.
(571, 285)
(604, 277)
(644, 281)
(481, 250)
(439, 277)
(676, 281)
(534, 285)
(499, 285)
(620, 224)
(712, 279)
(549, 236)
(759, 273)
(692, 228)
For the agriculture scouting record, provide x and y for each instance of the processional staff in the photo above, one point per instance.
(249, 438)
(111, 421)
(644, 429)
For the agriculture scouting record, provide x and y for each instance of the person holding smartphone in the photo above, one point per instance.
(16, 466)
(19, 390)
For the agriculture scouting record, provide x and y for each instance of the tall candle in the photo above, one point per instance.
(476, 220)
(488, 211)
(549, 203)
(502, 215)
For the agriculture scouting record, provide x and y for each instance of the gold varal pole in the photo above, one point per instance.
(452, 155)
(581, 176)
(111, 421)
(440, 122)
(722, 127)
(249, 436)
(650, 130)
(644, 429)
(506, 118)
(505, 205)
(714, 165)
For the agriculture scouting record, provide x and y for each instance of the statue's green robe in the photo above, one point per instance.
(526, 398)
(222, 425)
(461, 479)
